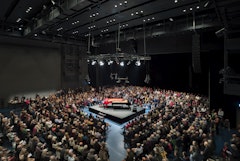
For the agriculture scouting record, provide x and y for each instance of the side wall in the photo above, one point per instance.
(26, 69)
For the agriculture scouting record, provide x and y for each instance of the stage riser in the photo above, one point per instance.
(117, 119)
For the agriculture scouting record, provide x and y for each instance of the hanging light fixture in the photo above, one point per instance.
(118, 56)
(101, 63)
(110, 62)
(118, 49)
(122, 63)
(138, 63)
(94, 62)
(147, 78)
(89, 41)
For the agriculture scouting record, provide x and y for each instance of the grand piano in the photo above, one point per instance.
(116, 103)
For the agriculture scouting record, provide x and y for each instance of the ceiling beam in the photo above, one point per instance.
(182, 27)
(52, 16)
(220, 17)
(92, 1)
(11, 9)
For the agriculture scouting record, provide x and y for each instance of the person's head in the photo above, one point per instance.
(226, 144)
(210, 141)
(234, 135)
(92, 150)
(234, 147)
(3, 158)
(52, 158)
(85, 147)
(205, 143)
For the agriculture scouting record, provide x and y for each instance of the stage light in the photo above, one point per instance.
(206, 4)
(110, 62)
(111, 58)
(94, 62)
(53, 2)
(101, 63)
(138, 63)
(122, 63)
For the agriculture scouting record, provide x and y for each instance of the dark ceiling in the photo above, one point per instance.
(75, 19)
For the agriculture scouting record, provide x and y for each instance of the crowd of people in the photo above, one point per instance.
(54, 128)
(179, 126)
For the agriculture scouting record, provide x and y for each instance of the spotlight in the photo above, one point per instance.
(94, 62)
(206, 4)
(53, 2)
(110, 62)
(122, 63)
(138, 63)
(101, 63)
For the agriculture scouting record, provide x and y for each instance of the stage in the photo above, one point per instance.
(119, 115)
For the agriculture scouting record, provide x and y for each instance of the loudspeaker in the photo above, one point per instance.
(196, 60)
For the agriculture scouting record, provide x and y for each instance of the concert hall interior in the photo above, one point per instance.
(119, 80)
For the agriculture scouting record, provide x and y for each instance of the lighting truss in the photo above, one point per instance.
(119, 57)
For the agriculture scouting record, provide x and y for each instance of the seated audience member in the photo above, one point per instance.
(234, 153)
(55, 127)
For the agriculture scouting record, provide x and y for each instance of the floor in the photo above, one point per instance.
(115, 142)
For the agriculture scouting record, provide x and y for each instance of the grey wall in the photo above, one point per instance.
(25, 69)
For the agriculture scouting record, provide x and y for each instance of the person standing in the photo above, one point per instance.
(221, 115)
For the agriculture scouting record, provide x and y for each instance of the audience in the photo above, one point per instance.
(55, 128)
(179, 126)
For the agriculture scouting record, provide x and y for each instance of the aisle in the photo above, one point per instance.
(114, 140)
